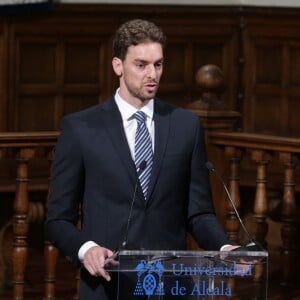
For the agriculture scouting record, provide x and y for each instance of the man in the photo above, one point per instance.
(98, 162)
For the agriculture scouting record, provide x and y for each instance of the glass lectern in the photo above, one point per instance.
(191, 275)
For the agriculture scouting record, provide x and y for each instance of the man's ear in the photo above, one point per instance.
(117, 66)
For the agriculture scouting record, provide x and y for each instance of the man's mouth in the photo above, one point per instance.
(151, 86)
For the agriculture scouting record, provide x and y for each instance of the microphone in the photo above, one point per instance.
(253, 245)
(141, 168)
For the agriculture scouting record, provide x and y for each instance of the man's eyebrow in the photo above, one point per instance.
(139, 60)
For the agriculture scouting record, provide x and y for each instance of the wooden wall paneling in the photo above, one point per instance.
(85, 80)
(62, 61)
(270, 106)
(45, 60)
(35, 113)
(208, 38)
(177, 70)
(54, 65)
(292, 127)
(60, 69)
(263, 87)
(12, 49)
(81, 63)
(221, 51)
(3, 74)
(293, 124)
(34, 82)
(261, 84)
(184, 58)
(271, 44)
(45, 87)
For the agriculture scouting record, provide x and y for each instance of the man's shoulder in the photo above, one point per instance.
(84, 113)
(88, 113)
(174, 110)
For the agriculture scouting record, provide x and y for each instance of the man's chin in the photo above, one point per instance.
(147, 98)
(144, 97)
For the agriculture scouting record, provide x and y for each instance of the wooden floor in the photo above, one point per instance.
(66, 282)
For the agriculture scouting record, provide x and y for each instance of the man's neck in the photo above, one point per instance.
(134, 101)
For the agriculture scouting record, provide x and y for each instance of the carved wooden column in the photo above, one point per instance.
(50, 253)
(288, 218)
(20, 222)
(2, 230)
(232, 224)
(214, 116)
(260, 211)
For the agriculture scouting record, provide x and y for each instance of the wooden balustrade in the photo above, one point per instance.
(263, 151)
(232, 223)
(23, 149)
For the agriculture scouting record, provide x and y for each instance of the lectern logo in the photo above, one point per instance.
(149, 278)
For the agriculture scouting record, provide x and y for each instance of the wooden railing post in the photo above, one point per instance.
(2, 229)
(214, 116)
(232, 224)
(260, 211)
(20, 223)
(51, 255)
(288, 218)
(50, 252)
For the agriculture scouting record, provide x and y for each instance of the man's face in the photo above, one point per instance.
(140, 72)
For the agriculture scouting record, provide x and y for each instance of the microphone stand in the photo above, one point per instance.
(124, 244)
(253, 245)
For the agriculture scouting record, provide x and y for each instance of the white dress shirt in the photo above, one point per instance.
(129, 122)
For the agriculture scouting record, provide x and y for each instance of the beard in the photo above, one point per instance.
(140, 93)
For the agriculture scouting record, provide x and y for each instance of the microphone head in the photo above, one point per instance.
(143, 165)
(210, 166)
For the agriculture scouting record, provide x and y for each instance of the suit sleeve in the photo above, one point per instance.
(201, 213)
(67, 181)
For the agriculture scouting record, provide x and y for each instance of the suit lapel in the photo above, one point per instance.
(162, 127)
(114, 126)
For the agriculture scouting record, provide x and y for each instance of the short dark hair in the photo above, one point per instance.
(135, 32)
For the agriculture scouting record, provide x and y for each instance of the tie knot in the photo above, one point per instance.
(140, 116)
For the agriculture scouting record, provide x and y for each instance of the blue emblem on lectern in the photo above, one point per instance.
(149, 278)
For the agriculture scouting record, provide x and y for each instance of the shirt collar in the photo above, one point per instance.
(127, 111)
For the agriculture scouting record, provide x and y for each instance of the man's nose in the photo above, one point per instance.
(151, 71)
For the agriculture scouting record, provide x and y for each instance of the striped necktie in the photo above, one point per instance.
(143, 151)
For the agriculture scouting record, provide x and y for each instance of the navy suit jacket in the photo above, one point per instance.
(93, 168)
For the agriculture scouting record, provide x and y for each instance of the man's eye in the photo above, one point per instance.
(140, 65)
